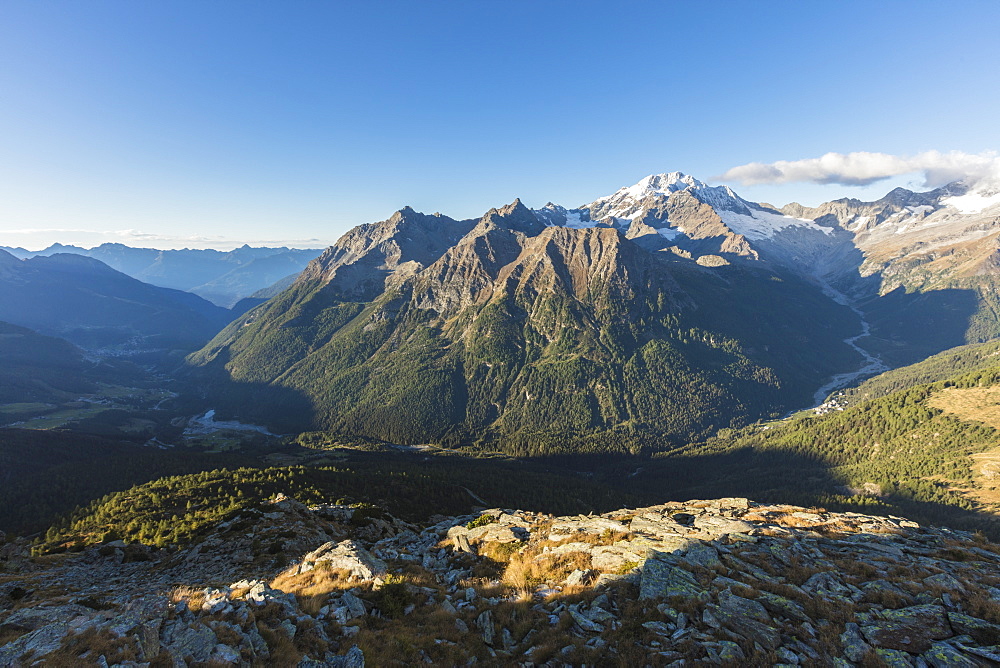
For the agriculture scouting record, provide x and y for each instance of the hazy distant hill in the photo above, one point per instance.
(96, 307)
(37, 369)
(262, 295)
(222, 277)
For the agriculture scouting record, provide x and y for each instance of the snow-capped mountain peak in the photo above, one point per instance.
(627, 203)
(658, 184)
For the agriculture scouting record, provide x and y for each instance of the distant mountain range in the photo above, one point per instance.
(657, 314)
(221, 277)
(97, 308)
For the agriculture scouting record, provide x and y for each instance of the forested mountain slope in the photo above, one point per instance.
(942, 366)
(538, 338)
(931, 451)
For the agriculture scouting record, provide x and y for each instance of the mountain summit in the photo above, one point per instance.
(649, 317)
(539, 330)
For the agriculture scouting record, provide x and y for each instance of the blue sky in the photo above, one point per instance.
(213, 123)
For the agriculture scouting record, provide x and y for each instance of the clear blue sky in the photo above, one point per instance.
(288, 121)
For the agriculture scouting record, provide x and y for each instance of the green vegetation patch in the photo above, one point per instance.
(175, 509)
(899, 454)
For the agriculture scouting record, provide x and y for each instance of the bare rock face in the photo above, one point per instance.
(911, 629)
(698, 582)
(347, 555)
(364, 259)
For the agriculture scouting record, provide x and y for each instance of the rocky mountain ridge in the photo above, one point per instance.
(717, 582)
(531, 321)
(513, 325)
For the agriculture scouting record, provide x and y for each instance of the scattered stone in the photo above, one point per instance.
(750, 629)
(909, 629)
(855, 647)
(664, 554)
(703, 555)
(484, 622)
(194, 642)
(981, 631)
(826, 585)
(779, 605)
(893, 658)
(943, 655)
(579, 578)
(745, 607)
(661, 579)
(944, 581)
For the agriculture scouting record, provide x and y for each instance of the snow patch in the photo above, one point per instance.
(973, 202)
(625, 201)
(574, 221)
(662, 184)
(763, 224)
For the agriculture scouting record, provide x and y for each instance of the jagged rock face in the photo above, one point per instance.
(683, 583)
(916, 240)
(523, 327)
(702, 225)
(677, 212)
(469, 273)
(363, 260)
(859, 216)
(922, 266)
(585, 264)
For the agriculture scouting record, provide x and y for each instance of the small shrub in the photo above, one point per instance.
(366, 513)
(480, 521)
(627, 567)
(393, 597)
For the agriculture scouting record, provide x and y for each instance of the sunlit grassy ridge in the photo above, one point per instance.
(911, 452)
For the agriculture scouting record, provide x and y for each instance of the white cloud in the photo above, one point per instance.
(864, 168)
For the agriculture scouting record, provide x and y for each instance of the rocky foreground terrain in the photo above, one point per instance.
(721, 582)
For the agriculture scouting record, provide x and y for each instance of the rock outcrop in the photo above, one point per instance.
(723, 582)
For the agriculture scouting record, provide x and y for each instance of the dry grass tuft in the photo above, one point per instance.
(93, 643)
(979, 604)
(886, 599)
(10, 635)
(283, 651)
(193, 596)
(527, 570)
(227, 635)
(796, 572)
(313, 588)
(856, 570)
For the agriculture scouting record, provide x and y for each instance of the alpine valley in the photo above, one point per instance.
(641, 321)
(454, 442)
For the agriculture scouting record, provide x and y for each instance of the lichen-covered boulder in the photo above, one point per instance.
(347, 555)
